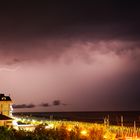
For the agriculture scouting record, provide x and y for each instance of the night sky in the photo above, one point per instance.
(70, 55)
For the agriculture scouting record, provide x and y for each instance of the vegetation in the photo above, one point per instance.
(68, 130)
(61, 133)
(40, 133)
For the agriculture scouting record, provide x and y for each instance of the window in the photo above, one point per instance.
(3, 98)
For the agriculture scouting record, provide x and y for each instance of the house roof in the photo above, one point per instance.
(3, 117)
(4, 98)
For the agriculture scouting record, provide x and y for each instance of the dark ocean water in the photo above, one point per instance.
(95, 117)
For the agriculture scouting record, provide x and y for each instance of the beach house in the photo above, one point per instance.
(5, 110)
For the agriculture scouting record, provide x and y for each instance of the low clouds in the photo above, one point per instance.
(54, 103)
(23, 106)
(44, 105)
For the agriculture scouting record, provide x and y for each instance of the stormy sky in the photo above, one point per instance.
(70, 55)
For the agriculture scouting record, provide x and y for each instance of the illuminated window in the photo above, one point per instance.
(3, 98)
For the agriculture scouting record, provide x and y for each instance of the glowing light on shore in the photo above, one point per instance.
(50, 126)
(33, 121)
(69, 128)
(15, 123)
(84, 133)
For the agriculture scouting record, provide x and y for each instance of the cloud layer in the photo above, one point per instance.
(86, 75)
(88, 57)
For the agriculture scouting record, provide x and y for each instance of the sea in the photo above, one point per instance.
(115, 117)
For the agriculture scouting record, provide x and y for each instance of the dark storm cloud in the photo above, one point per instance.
(56, 102)
(54, 27)
(23, 106)
(92, 49)
(28, 26)
(90, 19)
(45, 105)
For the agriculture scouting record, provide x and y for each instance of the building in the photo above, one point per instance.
(5, 110)
(5, 121)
